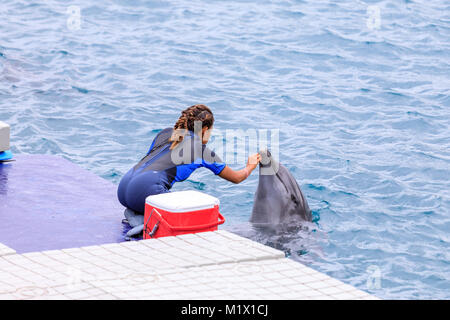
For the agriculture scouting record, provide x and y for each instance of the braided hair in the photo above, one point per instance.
(185, 123)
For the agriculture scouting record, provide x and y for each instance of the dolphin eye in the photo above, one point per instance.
(293, 198)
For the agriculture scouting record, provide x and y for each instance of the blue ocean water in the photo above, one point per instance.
(362, 106)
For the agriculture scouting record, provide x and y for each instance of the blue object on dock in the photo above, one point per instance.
(6, 155)
(47, 202)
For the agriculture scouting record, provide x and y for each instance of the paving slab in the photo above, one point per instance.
(104, 272)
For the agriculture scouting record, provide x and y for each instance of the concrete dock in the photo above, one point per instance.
(80, 211)
(209, 265)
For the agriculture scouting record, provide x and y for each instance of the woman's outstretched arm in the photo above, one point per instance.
(240, 175)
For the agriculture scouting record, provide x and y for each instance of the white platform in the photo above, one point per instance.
(4, 136)
(209, 265)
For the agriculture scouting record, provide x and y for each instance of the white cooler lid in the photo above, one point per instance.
(182, 201)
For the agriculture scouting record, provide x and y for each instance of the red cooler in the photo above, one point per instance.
(175, 213)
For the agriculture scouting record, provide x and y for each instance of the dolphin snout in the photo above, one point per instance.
(266, 158)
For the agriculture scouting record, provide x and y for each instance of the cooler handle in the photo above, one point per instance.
(155, 227)
(187, 228)
(197, 227)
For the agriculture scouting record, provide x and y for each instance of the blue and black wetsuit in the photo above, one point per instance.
(161, 168)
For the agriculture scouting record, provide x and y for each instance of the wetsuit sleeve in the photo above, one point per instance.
(212, 161)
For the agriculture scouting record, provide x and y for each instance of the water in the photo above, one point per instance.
(362, 108)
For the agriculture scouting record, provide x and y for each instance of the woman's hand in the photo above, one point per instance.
(253, 161)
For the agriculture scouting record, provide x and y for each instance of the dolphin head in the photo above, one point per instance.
(278, 198)
(266, 158)
(268, 165)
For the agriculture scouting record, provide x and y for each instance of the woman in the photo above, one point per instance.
(173, 156)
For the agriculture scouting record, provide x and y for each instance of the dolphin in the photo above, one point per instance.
(278, 198)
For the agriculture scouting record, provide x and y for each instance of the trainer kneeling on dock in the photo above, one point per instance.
(173, 156)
